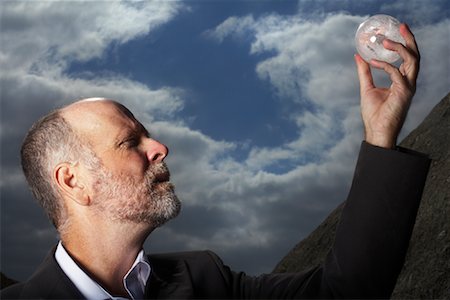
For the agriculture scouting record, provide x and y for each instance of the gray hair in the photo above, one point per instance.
(50, 141)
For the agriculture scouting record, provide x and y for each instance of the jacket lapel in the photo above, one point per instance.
(169, 280)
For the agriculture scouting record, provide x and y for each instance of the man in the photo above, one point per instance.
(102, 180)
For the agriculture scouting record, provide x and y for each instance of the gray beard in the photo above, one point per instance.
(125, 199)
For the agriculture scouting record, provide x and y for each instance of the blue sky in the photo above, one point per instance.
(257, 101)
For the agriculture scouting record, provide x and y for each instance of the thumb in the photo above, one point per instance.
(364, 74)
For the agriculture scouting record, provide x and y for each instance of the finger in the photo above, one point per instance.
(410, 66)
(408, 36)
(407, 54)
(411, 44)
(402, 69)
(394, 74)
(364, 74)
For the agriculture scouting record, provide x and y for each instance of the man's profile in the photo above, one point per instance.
(101, 178)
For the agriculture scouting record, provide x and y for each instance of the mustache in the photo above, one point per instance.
(158, 173)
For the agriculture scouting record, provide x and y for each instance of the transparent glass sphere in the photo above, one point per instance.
(370, 35)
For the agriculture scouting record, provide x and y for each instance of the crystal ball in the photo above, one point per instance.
(370, 35)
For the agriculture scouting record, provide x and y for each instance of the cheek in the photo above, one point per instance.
(134, 164)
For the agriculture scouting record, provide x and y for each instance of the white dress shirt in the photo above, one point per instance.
(134, 281)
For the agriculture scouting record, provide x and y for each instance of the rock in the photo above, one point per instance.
(5, 281)
(426, 272)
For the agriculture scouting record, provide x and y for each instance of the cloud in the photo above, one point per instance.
(45, 32)
(312, 64)
(313, 60)
(417, 11)
(41, 39)
(232, 26)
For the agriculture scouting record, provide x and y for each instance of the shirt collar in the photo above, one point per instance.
(136, 278)
(134, 281)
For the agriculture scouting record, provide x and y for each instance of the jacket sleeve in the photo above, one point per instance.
(371, 240)
(376, 223)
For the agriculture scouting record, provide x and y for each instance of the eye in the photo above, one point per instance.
(130, 143)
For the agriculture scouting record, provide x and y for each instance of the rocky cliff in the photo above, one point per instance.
(5, 281)
(426, 272)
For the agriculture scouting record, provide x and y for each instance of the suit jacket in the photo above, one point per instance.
(366, 258)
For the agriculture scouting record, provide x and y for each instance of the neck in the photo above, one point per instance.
(106, 251)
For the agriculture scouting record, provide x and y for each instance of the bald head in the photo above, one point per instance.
(88, 113)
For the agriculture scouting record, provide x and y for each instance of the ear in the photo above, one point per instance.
(69, 182)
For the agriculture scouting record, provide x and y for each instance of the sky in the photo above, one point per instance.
(258, 102)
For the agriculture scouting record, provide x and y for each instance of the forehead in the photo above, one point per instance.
(95, 119)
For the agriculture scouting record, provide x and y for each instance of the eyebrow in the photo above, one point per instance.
(141, 128)
(127, 133)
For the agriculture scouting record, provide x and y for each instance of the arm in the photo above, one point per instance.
(376, 224)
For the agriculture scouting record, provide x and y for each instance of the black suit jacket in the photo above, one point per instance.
(366, 258)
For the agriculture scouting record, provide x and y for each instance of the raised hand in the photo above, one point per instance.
(384, 109)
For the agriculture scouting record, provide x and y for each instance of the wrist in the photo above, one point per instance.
(381, 141)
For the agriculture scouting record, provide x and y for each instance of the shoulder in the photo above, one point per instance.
(205, 259)
(12, 292)
(203, 266)
(186, 255)
(47, 282)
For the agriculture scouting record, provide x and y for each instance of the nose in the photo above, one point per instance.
(156, 152)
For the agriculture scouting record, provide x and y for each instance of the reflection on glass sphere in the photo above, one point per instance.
(370, 35)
